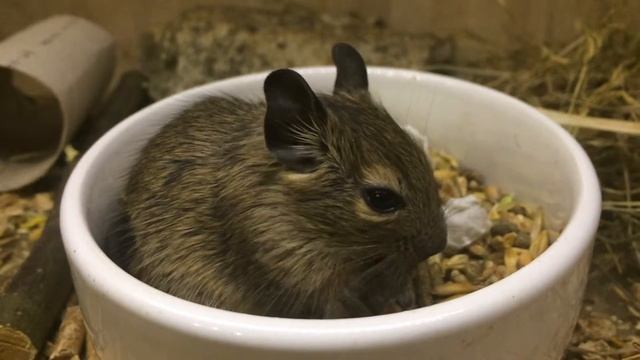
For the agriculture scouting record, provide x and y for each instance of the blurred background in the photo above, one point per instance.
(500, 24)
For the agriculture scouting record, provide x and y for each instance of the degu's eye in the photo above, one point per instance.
(382, 200)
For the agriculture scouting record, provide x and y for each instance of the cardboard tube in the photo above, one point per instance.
(51, 74)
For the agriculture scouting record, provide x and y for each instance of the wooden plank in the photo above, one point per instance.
(502, 23)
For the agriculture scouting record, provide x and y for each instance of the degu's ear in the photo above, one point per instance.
(351, 69)
(294, 121)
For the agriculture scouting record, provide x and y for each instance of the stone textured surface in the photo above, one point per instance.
(207, 44)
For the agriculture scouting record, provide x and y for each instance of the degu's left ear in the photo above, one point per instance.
(294, 121)
(350, 67)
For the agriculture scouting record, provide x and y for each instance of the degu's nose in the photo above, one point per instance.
(432, 241)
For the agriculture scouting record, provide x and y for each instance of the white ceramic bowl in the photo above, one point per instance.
(528, 315)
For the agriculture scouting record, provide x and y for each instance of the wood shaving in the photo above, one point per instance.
(71, 335)
(22, 220)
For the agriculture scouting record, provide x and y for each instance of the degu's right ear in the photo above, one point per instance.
(351, 71)
(294, 122)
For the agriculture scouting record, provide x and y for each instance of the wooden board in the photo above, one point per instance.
(504, 23)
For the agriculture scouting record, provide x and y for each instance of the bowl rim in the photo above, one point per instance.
(105, 277)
